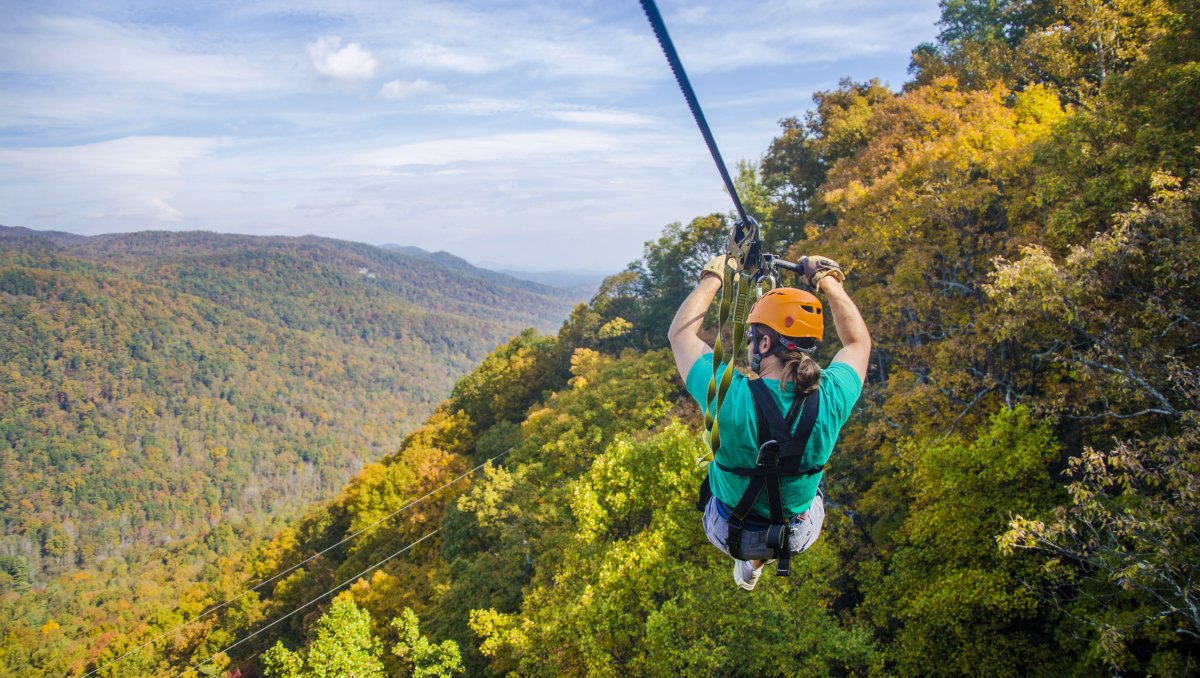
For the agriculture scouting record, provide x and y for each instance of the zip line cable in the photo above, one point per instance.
(289, 614)
(744, 248)
(297, 565)
(685, 85)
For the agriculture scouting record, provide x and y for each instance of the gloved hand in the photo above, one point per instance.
(716, 266)
(817, 267)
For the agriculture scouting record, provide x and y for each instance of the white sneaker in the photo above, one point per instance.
(744, 575)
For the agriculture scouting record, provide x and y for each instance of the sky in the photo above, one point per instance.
(535, 135)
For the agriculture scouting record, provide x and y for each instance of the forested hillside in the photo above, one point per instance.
(176, 390)
(1015, 495)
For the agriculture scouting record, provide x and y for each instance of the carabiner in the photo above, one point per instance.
(758, 289)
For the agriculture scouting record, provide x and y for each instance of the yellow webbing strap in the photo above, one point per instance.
(737, 295)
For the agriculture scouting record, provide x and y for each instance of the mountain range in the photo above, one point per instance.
(157, 385)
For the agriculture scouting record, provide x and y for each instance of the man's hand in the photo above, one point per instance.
(817, 267)
(716, 266)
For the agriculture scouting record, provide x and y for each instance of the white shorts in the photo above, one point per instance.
(754, 541)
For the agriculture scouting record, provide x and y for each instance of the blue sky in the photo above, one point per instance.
(533, 134)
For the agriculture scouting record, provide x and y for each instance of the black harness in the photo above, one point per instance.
(780, 453)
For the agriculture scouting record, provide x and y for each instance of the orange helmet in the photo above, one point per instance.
(790, 312)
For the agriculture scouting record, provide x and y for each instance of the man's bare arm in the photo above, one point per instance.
(851, 328)
(686, 343)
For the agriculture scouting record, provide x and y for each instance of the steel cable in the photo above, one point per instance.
(297, 565)
(289, 614)
(685, 85)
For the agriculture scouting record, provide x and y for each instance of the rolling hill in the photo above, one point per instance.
(157, 385)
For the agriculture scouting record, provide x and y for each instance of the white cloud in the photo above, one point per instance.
(484, 106)
(129, 177)
(500, 148)
(402, 89)
(131, 157)
(441, 57)
(560, 112)
(796, 32)
(326, 209)
(600, 117)
(137, 55)
(329, 59)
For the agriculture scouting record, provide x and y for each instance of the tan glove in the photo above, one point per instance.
(716, 266)
(817, 267)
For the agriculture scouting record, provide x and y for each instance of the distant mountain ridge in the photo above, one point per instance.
(584, 282)
(250, 375)
(453, 261)
(11, 233)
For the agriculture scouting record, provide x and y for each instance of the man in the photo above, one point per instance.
(785, 328)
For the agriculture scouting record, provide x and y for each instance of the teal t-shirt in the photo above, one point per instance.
(840, 388)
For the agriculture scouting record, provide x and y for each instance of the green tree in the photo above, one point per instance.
(1138, 125)
(17, 571)
(421, 658)
(342, 646)
(946, 598)
(635, 588)
(798, 160)
(668, 268)
(1139, 363)
(1070, 47)
(1125, 552)
(507, 382)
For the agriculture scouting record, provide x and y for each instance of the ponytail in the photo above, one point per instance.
(799, 369)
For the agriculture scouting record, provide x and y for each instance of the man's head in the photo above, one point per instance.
(784, 320)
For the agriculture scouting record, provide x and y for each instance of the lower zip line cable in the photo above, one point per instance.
(289, 614)
(263, 583)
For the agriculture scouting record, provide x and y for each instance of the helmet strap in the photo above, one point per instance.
(778, 342)
(756, 361)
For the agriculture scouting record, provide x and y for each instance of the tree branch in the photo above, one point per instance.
(950, 284)
(1128, 374)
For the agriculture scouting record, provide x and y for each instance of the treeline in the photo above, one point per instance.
(1015, 496)
(165, 395)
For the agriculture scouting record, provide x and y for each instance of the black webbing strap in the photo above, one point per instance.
(772, 425)
(790, 445)
(780, 453)
(703, 495)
